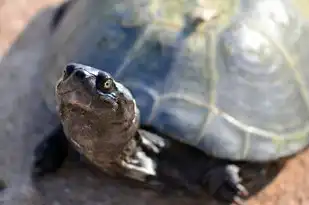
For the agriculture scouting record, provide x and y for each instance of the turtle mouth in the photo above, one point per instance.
(111, 98)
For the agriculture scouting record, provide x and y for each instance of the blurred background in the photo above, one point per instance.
(291, 187)
(14, 15)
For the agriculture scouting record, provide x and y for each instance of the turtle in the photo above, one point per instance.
(186, 91)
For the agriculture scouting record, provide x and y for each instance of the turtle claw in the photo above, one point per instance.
(238, 201)
(242, 191)
(224, 184)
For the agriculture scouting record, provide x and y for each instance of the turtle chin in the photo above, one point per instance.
(96, 130)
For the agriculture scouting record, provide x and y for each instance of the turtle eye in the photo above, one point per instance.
(108, 84)
(104, 83)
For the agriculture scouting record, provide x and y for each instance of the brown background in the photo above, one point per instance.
(289, 188)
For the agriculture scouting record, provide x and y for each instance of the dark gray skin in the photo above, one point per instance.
(100, 119)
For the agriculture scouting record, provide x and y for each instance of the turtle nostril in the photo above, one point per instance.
(80, 74)
(69, 69)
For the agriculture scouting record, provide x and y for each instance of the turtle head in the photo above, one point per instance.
(91, 88)
(98, 114)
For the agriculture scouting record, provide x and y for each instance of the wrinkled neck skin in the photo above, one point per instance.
(105, 138)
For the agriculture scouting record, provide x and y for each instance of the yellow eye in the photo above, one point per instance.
(108, 84)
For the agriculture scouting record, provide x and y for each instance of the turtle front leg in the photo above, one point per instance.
(223, 182)
(166, 164)
(50, 153)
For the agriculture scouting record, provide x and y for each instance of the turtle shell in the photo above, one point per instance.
(233, 85)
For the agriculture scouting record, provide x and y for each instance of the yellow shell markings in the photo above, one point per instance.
(173, 14)
(302, 7)
(166, 17)
(300, 136)
(242, 126)
(292, 62)
(172, 17)
(222, 18)
(213, 82)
